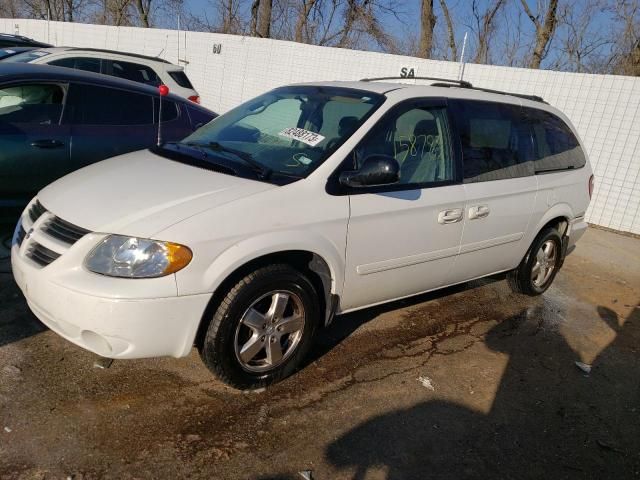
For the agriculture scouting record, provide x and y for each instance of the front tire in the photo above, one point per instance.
(539, 266)
(263, 328)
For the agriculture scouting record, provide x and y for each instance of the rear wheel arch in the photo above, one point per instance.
(560, 223)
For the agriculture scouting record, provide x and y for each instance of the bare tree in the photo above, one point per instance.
(362, 21)
(143, 8)
(513, 40)
(301, 33)
(427, 24)
(264, 18)
(583, 44)
(484, 26)
(255, 9)
(57, 10)
(625, 59)
(544, 29)
(451, 34)
(8, 9)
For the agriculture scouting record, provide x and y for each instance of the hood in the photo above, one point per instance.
(140, 194)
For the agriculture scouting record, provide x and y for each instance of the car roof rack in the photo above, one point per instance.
(534, 98)
(127, 54)
(446, 82)
(461, 83)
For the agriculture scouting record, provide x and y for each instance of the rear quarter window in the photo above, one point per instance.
(181, 79)
(555, 145)
(169, 110)
(199, 117)
(131, 71)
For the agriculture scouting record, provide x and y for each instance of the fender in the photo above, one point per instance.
(249, 249)
(557, 210)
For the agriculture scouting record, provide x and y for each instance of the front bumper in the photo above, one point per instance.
(115, 318)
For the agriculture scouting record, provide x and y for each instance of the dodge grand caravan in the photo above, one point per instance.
(306, 202)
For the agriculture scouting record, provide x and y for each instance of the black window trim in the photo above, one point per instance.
(335, 188)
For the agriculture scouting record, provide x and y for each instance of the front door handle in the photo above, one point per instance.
(479, 211)
(47, 144)
(450, 216)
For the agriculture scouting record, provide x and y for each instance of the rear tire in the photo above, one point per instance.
(539, 266)
(263, 328)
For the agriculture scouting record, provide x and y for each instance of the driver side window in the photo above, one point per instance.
(418, 138)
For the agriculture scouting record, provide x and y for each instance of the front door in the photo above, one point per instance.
(404, 239)
(34, 144)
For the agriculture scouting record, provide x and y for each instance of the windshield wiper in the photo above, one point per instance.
(263, 172)
(184, 156)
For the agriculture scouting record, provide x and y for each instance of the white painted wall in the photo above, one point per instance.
(604, 108)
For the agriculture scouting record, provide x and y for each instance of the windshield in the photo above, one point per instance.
(26, 57)
(290, 130)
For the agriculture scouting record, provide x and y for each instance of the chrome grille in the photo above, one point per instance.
(41, 254)
(63, 230)
(36, 211)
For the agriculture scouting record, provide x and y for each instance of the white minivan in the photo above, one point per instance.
(308, 201)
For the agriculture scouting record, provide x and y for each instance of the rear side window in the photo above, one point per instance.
(31, 104)
(132, 71)
(555, 145)
(181, 79)
(93, 105)
(495, 140)
(79, 63)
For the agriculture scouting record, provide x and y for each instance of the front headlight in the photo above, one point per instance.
(131, 257)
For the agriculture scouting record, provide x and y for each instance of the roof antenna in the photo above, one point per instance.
(464, 44)
(163, 90)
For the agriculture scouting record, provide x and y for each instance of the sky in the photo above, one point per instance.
(408, 23)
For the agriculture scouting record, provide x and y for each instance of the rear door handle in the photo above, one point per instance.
(479, 211)
(450, 216)
(47, 144)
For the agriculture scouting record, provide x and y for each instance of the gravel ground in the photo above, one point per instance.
(468, 382)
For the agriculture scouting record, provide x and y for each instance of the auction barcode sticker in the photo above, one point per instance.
(302, 135)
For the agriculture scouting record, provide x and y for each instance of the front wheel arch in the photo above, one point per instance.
(313, 265)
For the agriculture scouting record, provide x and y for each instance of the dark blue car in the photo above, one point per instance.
(54, 120)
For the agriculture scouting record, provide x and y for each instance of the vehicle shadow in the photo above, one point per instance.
(548, 419)
(345, 325)
(16, 320)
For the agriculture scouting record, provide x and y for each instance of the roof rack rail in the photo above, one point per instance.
(445, 82)
(461, 83)
(534, 98)
(127, 54)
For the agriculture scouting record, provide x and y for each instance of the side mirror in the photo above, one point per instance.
(376, 170)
